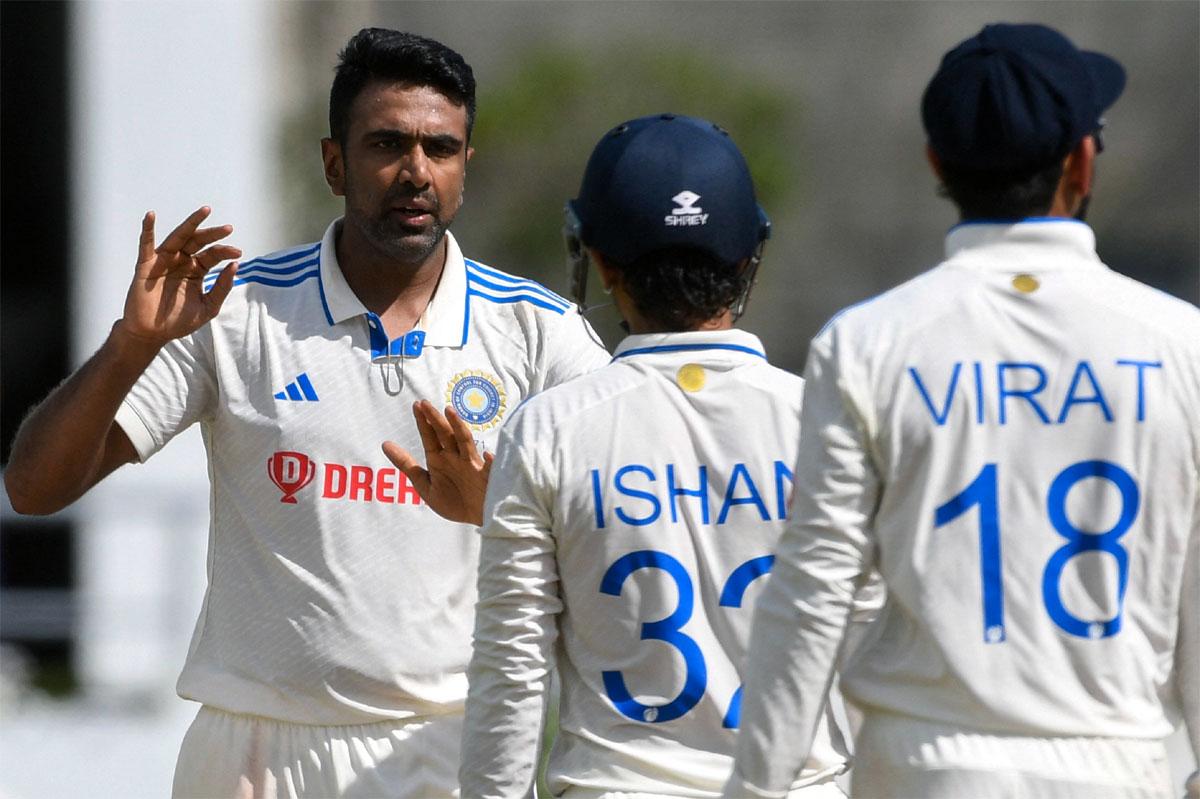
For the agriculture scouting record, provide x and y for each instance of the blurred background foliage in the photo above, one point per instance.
(823, 98)
(546, 116)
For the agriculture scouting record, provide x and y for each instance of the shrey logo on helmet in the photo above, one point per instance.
(686, 212)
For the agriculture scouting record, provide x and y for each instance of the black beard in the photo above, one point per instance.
(391, 237)
(402, 243)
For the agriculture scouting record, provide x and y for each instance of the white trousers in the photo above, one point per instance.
(232, 756)
(903, 758)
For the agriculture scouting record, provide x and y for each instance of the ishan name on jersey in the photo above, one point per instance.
(637, 494)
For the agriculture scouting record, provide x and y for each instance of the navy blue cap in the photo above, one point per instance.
(669, 181)
(1016, 97)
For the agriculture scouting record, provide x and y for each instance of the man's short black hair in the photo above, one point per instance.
(1001, 194)
(678, 288)
(380, 53)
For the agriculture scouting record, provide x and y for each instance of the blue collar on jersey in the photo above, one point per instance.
(691, 341)
(1018, 221)
(444, 323)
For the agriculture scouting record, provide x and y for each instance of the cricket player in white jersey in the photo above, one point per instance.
(1012, 439)
(631, 514)
(330, 656)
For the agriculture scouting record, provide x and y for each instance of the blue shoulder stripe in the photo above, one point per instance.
(530, 285)
(511, 298)
(267, 281)
(527, 291)
(291, 269)
(301, 252)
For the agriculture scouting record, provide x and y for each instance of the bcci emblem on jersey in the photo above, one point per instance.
(478, 398)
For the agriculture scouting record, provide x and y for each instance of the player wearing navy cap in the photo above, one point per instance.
(631, 514)
(330, 656)
(1011, 439)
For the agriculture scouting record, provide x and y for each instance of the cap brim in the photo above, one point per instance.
(1108, 75)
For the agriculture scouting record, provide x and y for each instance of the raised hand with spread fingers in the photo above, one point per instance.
(70, 441)
(454, 480)
(167, 299)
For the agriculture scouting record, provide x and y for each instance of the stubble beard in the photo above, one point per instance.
(406, 244)
(401, 243)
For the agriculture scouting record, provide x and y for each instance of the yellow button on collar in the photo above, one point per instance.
(691, 377)
(1025, 284)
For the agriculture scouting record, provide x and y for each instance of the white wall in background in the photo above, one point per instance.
(174, 108)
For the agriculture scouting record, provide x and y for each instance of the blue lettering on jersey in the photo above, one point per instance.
(753, 498)
(1025, 393)
(940, 418)
(597, 500)
(1097, 395)
(679, 489)
(978, 392)
(1030, 386)
(655, 506)
(782, 472)
(1141, 382)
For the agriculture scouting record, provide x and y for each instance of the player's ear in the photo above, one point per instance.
(609, 274)
(1078, 167)
(1075, 184)
(335, 166)
(470, 152)
(935, 163)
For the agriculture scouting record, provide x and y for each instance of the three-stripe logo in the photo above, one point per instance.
(299, 390)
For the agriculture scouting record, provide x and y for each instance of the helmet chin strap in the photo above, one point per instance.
(749, 273)
(577, 257)
(578, 262)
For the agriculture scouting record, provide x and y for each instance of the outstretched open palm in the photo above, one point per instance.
(455, 480)
(167, 299)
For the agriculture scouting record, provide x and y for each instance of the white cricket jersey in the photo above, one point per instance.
(1013, 439)
(630, 517)
(334, 595)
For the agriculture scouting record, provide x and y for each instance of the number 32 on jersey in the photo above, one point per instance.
(670, 631)
(983, 492)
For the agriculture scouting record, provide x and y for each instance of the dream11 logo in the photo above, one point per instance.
(292, 471)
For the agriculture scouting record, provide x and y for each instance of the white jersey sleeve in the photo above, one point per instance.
(515, 628)
(822, 557)
(1187, 651)
(176, 390)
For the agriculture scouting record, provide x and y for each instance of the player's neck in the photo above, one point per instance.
(397, 292)
(641, 326)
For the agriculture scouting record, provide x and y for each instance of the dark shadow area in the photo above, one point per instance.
(36, 556)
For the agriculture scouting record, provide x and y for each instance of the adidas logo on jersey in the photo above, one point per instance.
(685, 212)
(299, 390)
